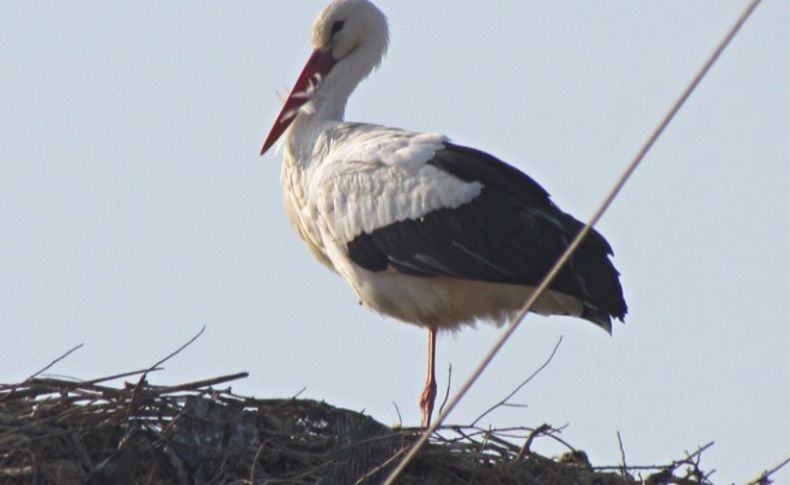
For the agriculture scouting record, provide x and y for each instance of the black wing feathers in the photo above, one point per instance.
(510, 233)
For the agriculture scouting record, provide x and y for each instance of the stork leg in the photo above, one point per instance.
(428, 396)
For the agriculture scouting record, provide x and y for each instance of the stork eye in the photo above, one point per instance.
(337, 26)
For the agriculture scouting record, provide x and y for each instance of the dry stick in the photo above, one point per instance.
(526, 381)
(764, 479)
(576, 242)
(397, 411)
(624, 469)
(41, 371)
(692, 456)
(447, 389)
(480, 450)
(525, 448)
(255, 461)
(377, 469)
(196, 385)
(141, 381)
(122, 375)
(177, 351)
(692, 459)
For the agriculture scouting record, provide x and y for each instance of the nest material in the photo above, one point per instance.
(58, 431)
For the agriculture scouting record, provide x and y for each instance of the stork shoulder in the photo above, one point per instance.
(372, 176)
(376, 144)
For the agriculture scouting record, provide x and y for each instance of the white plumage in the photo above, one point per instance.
(371, 177)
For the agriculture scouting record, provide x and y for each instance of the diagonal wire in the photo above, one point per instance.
(576, 242)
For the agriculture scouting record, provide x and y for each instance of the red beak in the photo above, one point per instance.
(317, 67)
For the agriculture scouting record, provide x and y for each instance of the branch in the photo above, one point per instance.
(624, 469)
(765, 477)
(178, 350)
(122, 375)
(397, 411)
(447, 390)
(504, 402)
(193, 386)
(540, 430)
(141, 381)
(41, 371)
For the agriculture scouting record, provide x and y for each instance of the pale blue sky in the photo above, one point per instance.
(134, 208)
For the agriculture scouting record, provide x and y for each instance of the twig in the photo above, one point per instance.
(397, 411)
(624, 467)
(480, 451)
(693, 460)
(765, 477)
(41, 371)
(447, 389)
(255, 461)
(504, 401)
(697, 453)
(621, 181)
(540, 430)
(141, 381)
(122, 375)
(178, 350)
(191, 386)
(381, 466)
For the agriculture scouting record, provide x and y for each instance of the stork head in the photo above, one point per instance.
(349, 39)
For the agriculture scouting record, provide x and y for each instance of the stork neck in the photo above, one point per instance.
(327, 105)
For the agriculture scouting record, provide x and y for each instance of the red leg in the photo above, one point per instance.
(428, 396)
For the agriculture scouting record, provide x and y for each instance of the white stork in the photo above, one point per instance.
(424, 230)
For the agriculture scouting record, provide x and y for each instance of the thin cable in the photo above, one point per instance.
(574, 244)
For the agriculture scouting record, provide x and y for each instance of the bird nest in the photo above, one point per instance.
(63, 431)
